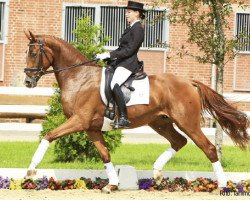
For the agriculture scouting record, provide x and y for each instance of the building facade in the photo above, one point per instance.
(58, 18)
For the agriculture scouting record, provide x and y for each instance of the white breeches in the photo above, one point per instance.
(120, 76)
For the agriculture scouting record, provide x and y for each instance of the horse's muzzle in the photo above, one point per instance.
(30, 82)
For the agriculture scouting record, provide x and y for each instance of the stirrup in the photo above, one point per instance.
(122, 122)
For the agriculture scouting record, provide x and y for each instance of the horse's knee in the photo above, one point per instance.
(48, 137)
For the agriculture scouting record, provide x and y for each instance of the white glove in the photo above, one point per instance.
(102, 56)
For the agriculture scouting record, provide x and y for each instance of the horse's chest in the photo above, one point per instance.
(73, 101)
(68, 101)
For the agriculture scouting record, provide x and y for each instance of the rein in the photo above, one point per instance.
(39, 69)
(67, 68)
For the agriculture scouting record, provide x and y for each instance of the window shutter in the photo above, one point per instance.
(72, 14)
(114, 23)
(2, 4)
(243, 27)
(155, 29)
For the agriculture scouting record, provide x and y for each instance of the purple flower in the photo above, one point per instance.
(42, 183)
(225, 189)
(240, 187)
(145, 184)
(4, 182)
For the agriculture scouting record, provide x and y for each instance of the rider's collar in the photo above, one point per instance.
(134, 22)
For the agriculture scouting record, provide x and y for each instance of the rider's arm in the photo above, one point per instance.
(131, 46)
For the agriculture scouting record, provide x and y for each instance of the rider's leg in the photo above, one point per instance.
(120, 76)
(119, 99)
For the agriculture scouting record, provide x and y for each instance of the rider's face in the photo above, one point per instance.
(131, 15)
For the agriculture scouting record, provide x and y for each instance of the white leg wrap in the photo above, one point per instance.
(164, 158)
(219, 173)
(38, 156)
(111, 173)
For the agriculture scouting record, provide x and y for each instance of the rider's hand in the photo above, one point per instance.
(102, 56)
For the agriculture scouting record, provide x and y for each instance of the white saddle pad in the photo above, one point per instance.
(139, 96)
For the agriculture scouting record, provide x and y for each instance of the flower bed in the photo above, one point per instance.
(51, 183)
(178, 184)
(198, 185)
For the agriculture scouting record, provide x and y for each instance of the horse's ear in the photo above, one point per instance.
(28, 35)
(33, 38)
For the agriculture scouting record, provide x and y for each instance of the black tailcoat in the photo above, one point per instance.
(130, 42)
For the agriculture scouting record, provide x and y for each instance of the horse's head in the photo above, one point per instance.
(39, 59)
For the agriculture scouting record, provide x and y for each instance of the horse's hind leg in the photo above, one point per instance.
(98, 140)
(210, 151)
(164, 126)
(191, 126)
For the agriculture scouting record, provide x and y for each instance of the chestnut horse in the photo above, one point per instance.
(173, 100)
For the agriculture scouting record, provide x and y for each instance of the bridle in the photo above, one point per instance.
(40, 67)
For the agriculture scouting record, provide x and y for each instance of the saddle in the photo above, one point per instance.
(126, 88)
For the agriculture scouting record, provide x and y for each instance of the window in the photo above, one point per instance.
(241, 61)
(114, 23)
(4, 5)
(71, 15)
(3, 20)
(112, 18)
(155, 29)
(243, 28)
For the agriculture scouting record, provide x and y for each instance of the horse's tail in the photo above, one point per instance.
(232, 121)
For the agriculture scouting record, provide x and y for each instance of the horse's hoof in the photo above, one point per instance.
(158, 177)
(30, 173)
(109, 188)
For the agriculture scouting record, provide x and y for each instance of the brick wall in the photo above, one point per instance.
(188, 67)
(42, 17)
(242, 68)
(45, 17)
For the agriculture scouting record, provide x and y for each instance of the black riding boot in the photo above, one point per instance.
(119, 99)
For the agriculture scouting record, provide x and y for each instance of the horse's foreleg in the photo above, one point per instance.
(71, 125)
(98, 140)
(164, 127)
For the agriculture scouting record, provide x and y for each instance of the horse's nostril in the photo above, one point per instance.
(30, 83)
(27, 82)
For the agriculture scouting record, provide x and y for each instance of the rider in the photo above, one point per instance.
(125, 57)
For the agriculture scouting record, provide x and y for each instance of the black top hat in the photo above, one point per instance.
(135, 6)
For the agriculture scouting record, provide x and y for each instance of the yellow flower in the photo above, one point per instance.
(16, 184)
(80, 184)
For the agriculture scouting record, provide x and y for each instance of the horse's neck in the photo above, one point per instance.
(77, 79)
(80, 81)
(72, 80)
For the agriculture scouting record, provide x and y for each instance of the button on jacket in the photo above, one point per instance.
(130, 43)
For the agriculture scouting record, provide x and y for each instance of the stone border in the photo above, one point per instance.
(62, 174)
